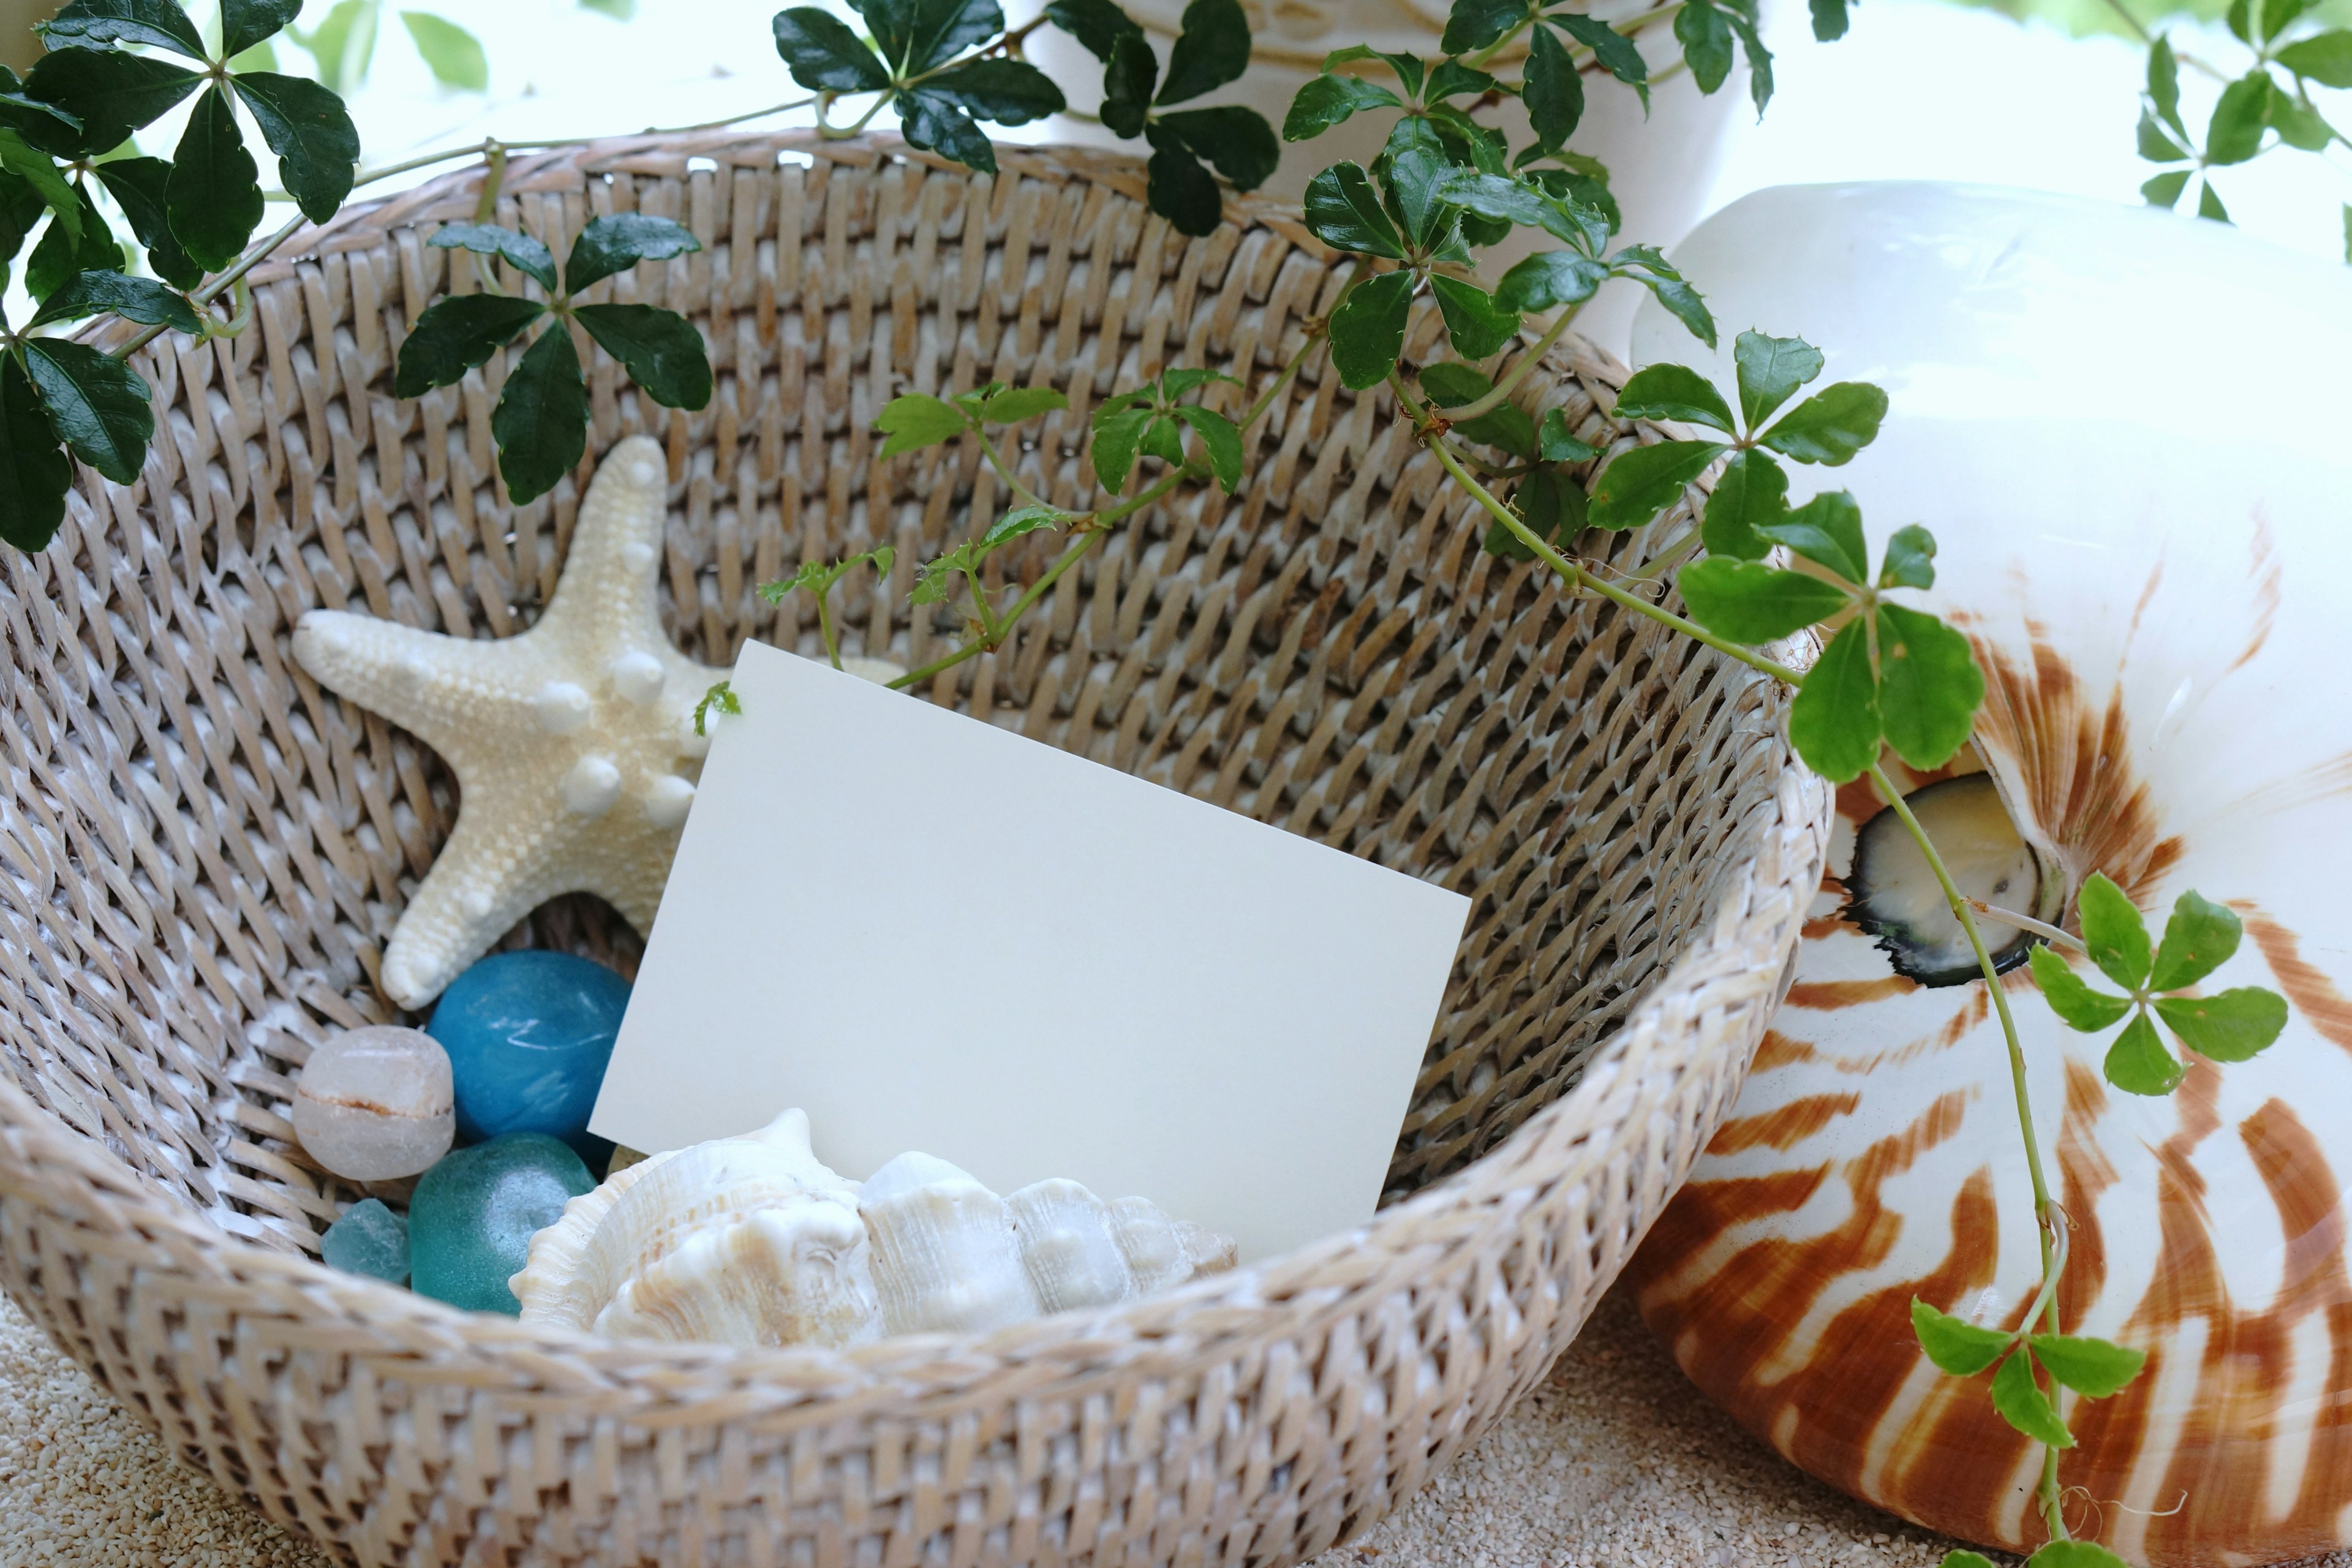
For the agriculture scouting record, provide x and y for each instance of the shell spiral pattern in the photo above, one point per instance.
(2157, 621)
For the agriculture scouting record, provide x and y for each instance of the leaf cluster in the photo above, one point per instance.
(540, 423)
(2157, 979)
(2267, 108)
(2094, 1368)
(1549, 498)
(947, 66)
(61, 127)
(1150, 421)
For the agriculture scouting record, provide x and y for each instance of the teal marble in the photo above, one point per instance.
(369, 1239)
(474, 1212)
(528, 1035)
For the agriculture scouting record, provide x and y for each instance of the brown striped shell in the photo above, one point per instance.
(2158, 594)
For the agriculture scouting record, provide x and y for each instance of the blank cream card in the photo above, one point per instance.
(932, 933)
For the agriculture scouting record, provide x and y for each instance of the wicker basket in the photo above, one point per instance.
(204, 854)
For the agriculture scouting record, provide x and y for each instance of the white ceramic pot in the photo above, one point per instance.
(1661, 167)
(2131, 436)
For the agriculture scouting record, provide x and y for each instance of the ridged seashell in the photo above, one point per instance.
(751, 1241)
(2157, 592)
(748, 1241)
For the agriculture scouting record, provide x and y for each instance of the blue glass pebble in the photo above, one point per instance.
(528, 1035)
(369, 1239)
(473, 1215)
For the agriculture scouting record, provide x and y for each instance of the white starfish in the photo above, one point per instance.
(573, 743)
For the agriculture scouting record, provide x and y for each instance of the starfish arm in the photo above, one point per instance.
(449, 692)
(499, 864)
(609, 594)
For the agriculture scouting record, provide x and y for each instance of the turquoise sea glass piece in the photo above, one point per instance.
(369, 1239)
(473, 1215)
(528, 1035)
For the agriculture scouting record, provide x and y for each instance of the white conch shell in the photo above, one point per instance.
(751, 1241)
(2159, 604)
(747, 1241)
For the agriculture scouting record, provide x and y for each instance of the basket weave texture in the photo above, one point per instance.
(204, 854)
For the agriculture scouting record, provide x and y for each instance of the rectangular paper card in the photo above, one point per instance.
(932, 933)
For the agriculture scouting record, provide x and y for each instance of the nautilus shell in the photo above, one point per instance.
(752, 1241)
(2131, 436)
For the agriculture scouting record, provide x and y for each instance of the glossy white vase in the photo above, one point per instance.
(2131, 434)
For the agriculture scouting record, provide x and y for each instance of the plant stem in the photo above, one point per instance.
(1517, 373)
(2046, 1224)
(988, 450)
(824, 624)
(218, 286)
(2042, 929)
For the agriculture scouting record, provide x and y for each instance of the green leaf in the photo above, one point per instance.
(1648, 267)
(1177, 187)
(308, 128)
(541, 419)
(1098, 24)
(2075, 1554)
(721, 695)
(1127, 85)
(1474, 24)
(1553, 504)
(343, 43)
(1452, 78)
(2023, 1406)
(453, 55)
(456, 334)
(93, 24)
(34, 472)
(2094, 1368)
(1752, 492)
(2209, 204)
(1770, 371)
(1016, 404)
(1237, 140)
(2298, 124)
(624, 11)
(1929, 686)
(1328, 101)
(2198, 939)
(36, 170)
(140, 300)
(1834, 723)
(2236, 14)
(1826, 530)
(922, 34)
(96, 404)
(663, 351)
(2164, 189)
(2113, 932)
(1612, 48)
(2233, 1027)
(1675, 392)
(1705, 39)
(1009, 92)
(824, 56)
(1367, 330)
(1751, 603)
(2138, 1062)
(111, 94)
(936, 124)
(1910, 559)
(1221, 439)
(2324, 58)
(1556, 443)
(138, 186)
(1832, 425)
(1829, 26)
(614, 241)
(1760, 60)
(18, 110)
(245, 23)
(213, 196)
(1639, 484)
(2279, 15)
(2164, 85)
(2239, 120)
(1451, 383)
(1548, 279)
(59, 258)
(917, 420)
(1554, 90)
(1013, 525)
(1212, 49)
(2156, 143)
(1416, 179)
(526, 254)
(1118, 433)
(1478, 325)
(1174, 383)
(2078, 1006)
(1957, 1347)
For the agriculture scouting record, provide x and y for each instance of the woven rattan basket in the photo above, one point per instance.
(204, 854)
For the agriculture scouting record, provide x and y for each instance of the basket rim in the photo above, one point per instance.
(1609, 1113)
